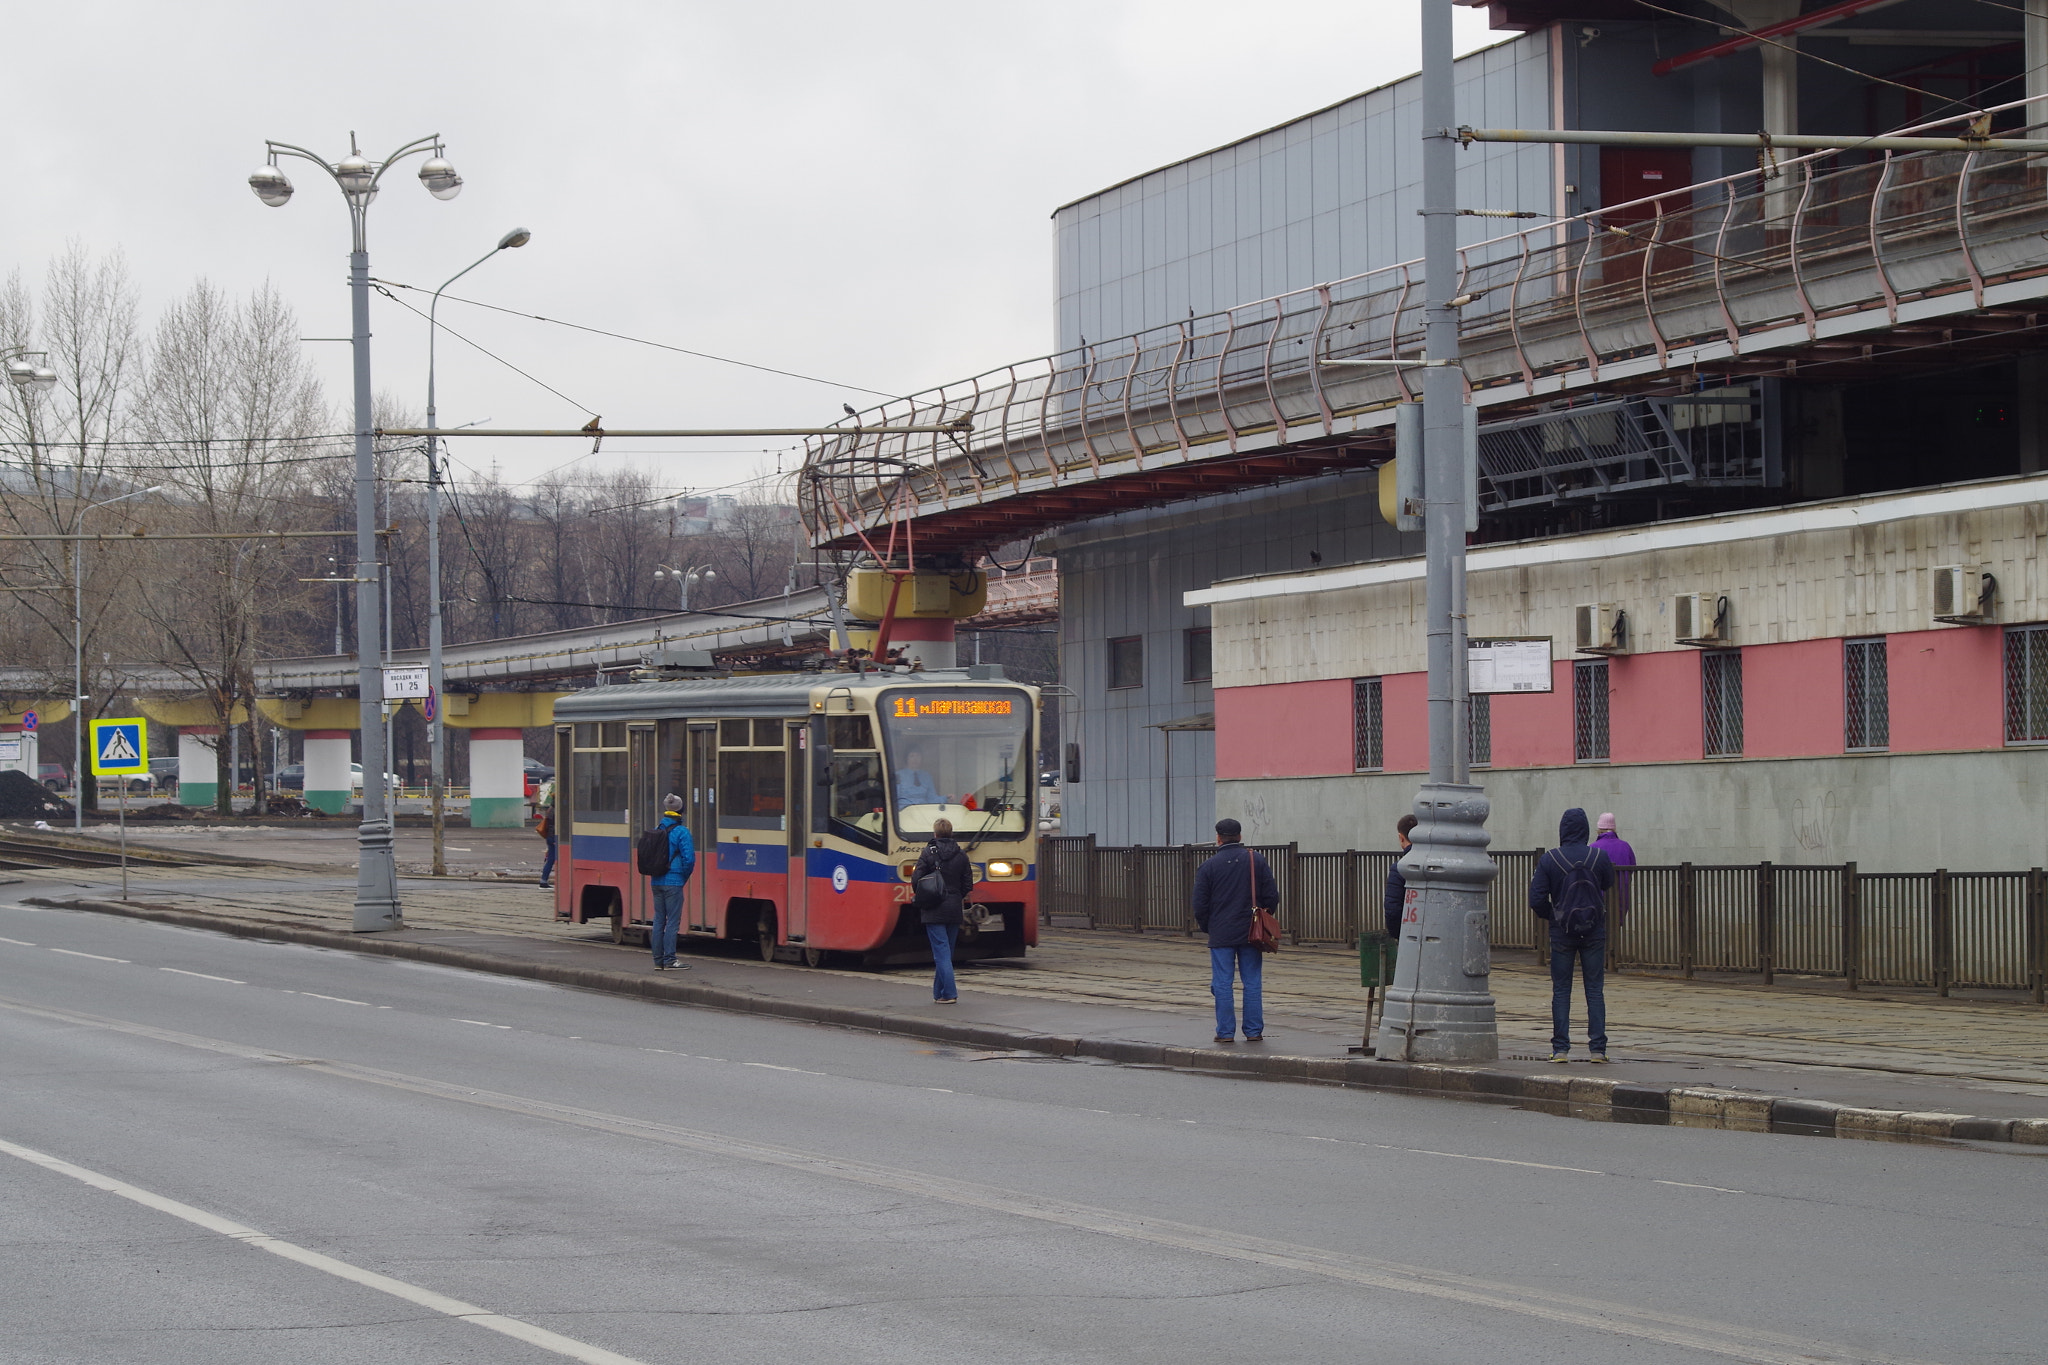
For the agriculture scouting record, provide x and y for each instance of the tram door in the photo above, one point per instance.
(643, 812)
(700, 907)
(796, 824)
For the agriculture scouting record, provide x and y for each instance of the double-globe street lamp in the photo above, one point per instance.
(686, 579)
(437, 763)
(357, 177)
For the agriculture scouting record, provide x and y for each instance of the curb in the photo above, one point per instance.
(1580, 1097)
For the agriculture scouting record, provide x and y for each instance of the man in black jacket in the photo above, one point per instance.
(1223, 900)
(1397, 881)
(942, 914)
(1570, 890)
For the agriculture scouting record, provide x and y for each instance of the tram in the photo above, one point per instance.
(809, 798)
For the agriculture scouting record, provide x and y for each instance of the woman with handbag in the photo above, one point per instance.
(941, 881)
(1235, 896)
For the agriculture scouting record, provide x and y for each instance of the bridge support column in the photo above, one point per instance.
(932, 642)
(497, 778)
(329, 784)
(198, 769)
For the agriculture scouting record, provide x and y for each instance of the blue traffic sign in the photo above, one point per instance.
(30, 720)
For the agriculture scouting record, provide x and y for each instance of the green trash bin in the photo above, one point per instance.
(1376, 954)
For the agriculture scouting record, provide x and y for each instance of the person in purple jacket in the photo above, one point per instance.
(1622, 856)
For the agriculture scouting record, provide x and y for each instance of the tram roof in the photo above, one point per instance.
(764, 695)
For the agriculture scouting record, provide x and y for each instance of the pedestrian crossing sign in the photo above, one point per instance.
(120, 746)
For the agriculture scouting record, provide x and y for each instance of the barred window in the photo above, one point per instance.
(1368, 751)
(1479, 730)
(1127, 662)
(1589, 711)
(1867, 722)
(2026, 684)
(1721, 699)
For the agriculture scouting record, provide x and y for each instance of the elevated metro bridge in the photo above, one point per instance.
(1921, 259)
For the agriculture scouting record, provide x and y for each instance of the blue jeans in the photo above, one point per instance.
(1592, 960)
(1247, 962)
(547, 866)
(668, 918)
(943, 937)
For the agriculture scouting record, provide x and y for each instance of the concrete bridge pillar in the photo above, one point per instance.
(198, 769)
(497, 778)
(329, 784)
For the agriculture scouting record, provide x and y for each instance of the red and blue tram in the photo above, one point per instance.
(808, 797)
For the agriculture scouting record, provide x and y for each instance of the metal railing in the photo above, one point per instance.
(1759, 259)
(1939, 929)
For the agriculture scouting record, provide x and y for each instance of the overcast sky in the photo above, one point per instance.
(860, 192)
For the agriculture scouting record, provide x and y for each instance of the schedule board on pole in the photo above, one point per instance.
(1517, 664)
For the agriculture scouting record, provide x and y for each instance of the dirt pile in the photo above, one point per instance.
(24, 798)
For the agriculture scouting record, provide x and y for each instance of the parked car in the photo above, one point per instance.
(163, 773)
(291, 778)
(54, 776)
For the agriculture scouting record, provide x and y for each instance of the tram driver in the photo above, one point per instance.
(914, 786)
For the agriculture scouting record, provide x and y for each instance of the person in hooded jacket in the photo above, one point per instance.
(1569, 890)
(668, 887)
(942, 916)
(1226, 888)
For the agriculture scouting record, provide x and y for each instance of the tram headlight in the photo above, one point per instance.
(1004, 869)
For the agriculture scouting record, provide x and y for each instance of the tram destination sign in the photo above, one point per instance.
(1508, 664)
(911, 706)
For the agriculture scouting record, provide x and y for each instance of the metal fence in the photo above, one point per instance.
(1941, 929)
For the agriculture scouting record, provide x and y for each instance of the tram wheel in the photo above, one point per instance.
(618, 925)
(815, 957)
(767, 935)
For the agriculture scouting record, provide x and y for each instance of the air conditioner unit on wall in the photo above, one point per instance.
(1961, 595)
(1702, 618)
(1599, 628)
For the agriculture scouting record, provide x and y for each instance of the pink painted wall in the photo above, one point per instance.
(1653, 708)
(1947, 688)
(1792, 699)
(1534, 729)
(1404, 706)
(1287, 729)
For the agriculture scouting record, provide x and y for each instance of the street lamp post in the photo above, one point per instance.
(435, 735)
(357, 176)
(78, 697)
(686, 579)
(1439, 1008)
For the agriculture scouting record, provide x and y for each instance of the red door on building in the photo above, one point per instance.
(1629, 174)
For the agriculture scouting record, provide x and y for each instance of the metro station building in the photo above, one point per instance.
(1761, 442)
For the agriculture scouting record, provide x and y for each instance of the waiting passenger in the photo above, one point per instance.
(914, 786)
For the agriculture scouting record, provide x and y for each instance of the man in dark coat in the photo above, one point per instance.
(942, 914)
(1397, 882)
(1223, 900)
(1570, 891)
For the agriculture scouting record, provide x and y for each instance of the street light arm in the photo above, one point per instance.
(290, 149)
(434, 331)
(432, 142)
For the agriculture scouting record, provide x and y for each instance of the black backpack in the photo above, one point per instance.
(651, 853)
(1578, 908)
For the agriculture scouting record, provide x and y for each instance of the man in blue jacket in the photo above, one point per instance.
(668, 888)
(1570, 891)
(1223, 900)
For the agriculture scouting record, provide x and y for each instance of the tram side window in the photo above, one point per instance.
(856, 801)
(750, 786)
(733, 734)
(851, 732)
(600, 785)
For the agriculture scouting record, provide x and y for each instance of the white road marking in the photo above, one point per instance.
(1498, 1160)
(203, 976)
(1738, 1341)
(17, 942)
(1688, 1185)
(70, 952)
(482, 1023)
(770, 1066)
(369, 1279)
(339, 1000)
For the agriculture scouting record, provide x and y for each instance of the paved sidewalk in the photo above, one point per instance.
(1876, 1050)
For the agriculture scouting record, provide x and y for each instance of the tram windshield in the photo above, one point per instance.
(962, 753)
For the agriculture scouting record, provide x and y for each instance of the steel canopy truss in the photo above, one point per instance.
(1805, 260)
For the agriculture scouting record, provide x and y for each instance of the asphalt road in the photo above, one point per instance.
(223, 1151)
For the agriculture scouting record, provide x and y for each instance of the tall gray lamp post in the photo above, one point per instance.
(357, 176)
(1439, 1008)
(685, 580)
(436, 734)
